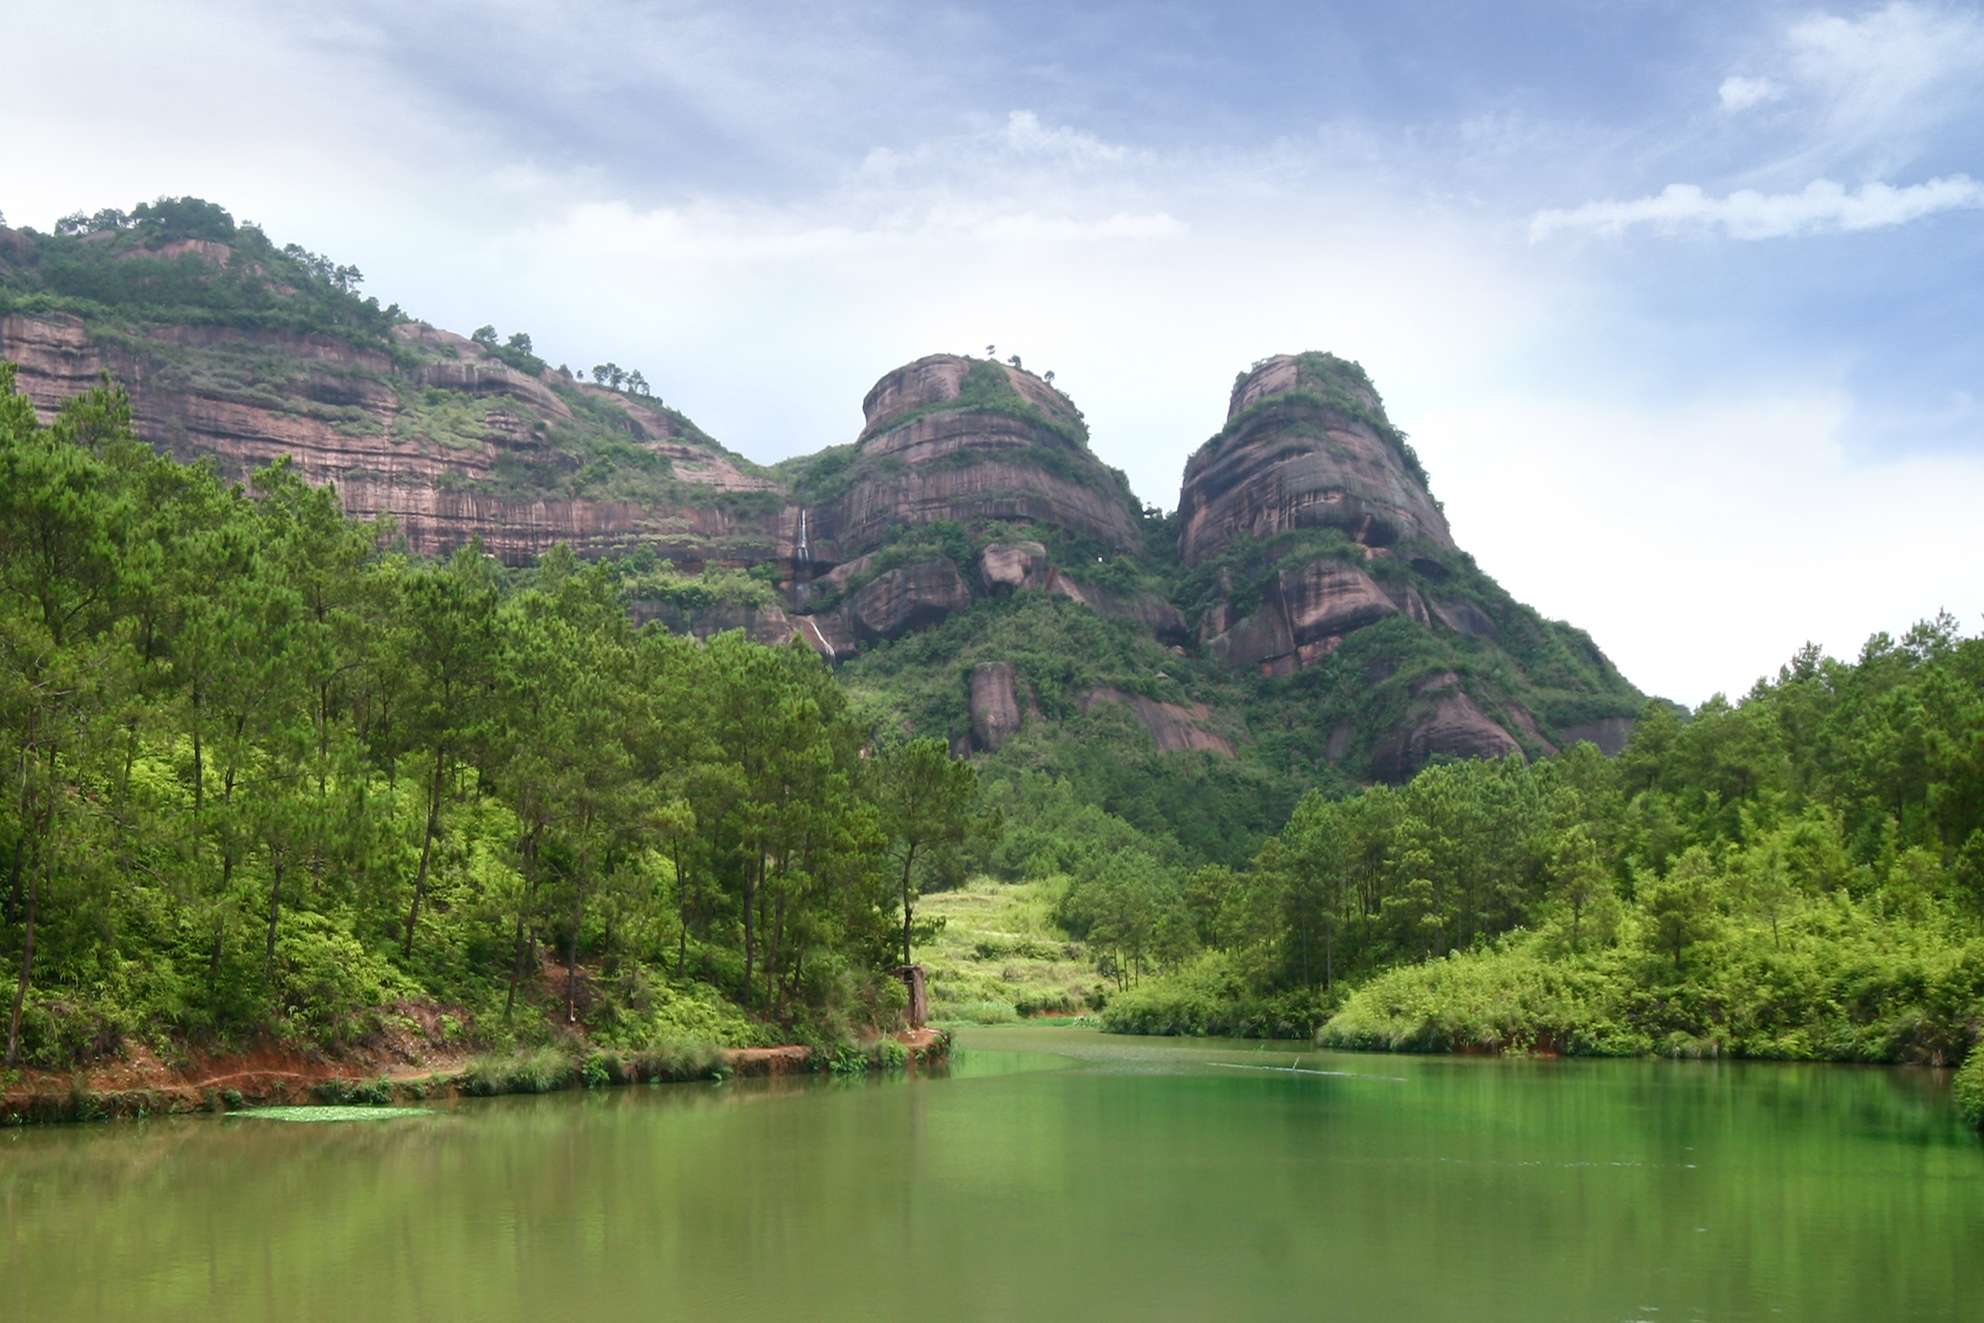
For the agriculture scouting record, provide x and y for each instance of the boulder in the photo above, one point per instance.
(1257, 640)
(1164, 620)
(913, 597)
(764, 624)
(1447, 721)
(1328, 597)
(828, 634)
(1465, 619)
(1005, 568)
(995, 704)
(1535, 742)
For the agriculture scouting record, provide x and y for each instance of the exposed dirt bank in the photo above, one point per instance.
(419, 1055)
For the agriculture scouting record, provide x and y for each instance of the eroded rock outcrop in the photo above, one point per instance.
(1609, 734)
(1306, 445)
(969, 440)
(764, 624)
(995, 704)
(454, 447)
(1307, 608)
(1005, 569)
(1165, 621)
(1448, 721)
(1173, 727)
(913, 597)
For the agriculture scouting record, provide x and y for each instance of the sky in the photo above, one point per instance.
(1681, 304)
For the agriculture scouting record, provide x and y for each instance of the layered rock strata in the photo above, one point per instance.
(970, 441)
(1306, 445)
(429, 443)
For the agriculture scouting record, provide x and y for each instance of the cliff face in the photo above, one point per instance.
(1315, 543)
(1310, 554)
(969, 441)
(430, 429)
(1306, 445)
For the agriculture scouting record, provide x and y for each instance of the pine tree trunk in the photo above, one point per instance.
(426, 852)
(27, 972)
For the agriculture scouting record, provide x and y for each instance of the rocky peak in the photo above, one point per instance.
(930, 383)
(964, 440)
(1306, 445)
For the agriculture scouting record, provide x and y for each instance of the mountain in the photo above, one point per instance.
(1304, 618)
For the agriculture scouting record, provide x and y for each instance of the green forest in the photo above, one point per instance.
(266, 778)
(1797, 875)
(271, 776)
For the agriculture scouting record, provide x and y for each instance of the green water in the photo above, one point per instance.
(1055, 1174)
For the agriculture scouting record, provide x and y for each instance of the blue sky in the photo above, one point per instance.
(1679, 302)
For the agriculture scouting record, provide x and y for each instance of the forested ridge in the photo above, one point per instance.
(270, 777)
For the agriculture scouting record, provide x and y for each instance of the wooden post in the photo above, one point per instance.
(914, 979)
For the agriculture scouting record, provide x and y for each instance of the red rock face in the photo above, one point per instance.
(1610, 735)
(1448, 721)
(968, 465)
(1300, 464)
(1005, 569)
(995, 704)
(1303, 609)
(341, 414)
(914, 597)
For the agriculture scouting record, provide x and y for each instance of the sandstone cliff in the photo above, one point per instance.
(1313, 541)
(1306, 606)
(964, 440)
(430, 428)
(1306, 445)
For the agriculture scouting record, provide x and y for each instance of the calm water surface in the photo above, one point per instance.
(1054, 1174)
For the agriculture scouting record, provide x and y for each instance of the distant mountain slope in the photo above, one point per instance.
(1304, 618)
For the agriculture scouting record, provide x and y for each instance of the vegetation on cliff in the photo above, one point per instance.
(264, 779)
(186, 262)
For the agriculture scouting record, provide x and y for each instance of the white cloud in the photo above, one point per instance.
(1892, 72)
(1738, 93)
(1820, 206)
(1701, 542)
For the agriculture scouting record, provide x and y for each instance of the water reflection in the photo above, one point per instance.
(1047, 1174)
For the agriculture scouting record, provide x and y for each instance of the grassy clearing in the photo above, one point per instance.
(1001, 957)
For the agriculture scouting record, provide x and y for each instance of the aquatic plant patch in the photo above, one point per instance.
(331, 1113)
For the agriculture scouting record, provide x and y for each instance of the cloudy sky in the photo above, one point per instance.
(1680, 303)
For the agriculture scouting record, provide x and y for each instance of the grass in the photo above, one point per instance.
(1001, 958)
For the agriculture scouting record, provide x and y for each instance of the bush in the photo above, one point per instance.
(543, 1071)
(1210, 997)
(1969, 1090)
(675, 1060)
(368, 1093)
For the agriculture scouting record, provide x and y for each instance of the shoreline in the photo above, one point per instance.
(134, 1089)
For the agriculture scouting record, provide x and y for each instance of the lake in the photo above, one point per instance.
(1051, 1174)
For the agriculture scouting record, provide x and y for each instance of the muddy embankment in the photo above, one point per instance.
(421, 1054)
